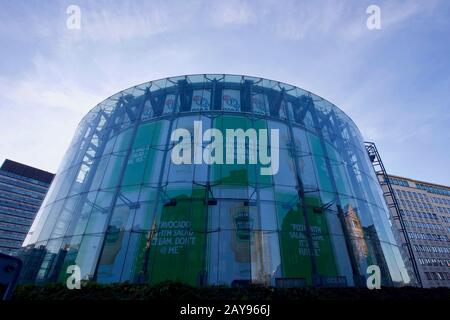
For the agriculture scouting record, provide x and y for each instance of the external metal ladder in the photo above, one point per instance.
(392, 203)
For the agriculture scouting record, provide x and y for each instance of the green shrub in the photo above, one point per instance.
(179, 291)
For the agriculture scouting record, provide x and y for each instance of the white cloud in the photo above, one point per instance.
(393, 12)
(35, 94)
(298, 20)
(46, 86)
(115, 24)
(233, 13)
(344, 20)
(320, 45)
(39, 112)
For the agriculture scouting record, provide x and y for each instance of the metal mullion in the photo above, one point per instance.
(258, 198)
(206, 210)
(122, 174)
(62, 207)
(301, 195)
(143, 274)
(337, 200)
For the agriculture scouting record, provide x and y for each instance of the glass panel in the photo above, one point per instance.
(294, 248)
(100, 211)
(113, 256)
(178, 244)
(201, 100)
(113, 170)
(231, 100)
(146, 155)
(88, 253)
(170, 103)
(260, 103)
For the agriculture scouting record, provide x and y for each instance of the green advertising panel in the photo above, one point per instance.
(294, 249)
(177, 249)
(294, 244)
(144, 154)
(323, 250)
(239, 174)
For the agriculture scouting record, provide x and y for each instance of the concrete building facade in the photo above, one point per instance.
(425, 211)
(22, 189)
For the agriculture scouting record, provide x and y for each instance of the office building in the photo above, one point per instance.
(425, 211)
(22, 189)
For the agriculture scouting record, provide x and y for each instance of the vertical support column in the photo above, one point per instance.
(143, 275)
(301, 196)
(52, 269)
(356, 276)
(122, 174)
(204, 276)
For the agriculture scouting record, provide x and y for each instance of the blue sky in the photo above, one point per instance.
(394, 82)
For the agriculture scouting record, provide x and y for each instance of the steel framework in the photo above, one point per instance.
(392, 203)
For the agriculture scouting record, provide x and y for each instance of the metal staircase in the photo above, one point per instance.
(393, 206)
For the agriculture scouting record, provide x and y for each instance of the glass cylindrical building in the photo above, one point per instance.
(121, 209)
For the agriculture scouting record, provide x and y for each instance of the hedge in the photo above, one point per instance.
(182, 292)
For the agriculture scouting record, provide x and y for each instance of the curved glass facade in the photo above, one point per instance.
(122, 210)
